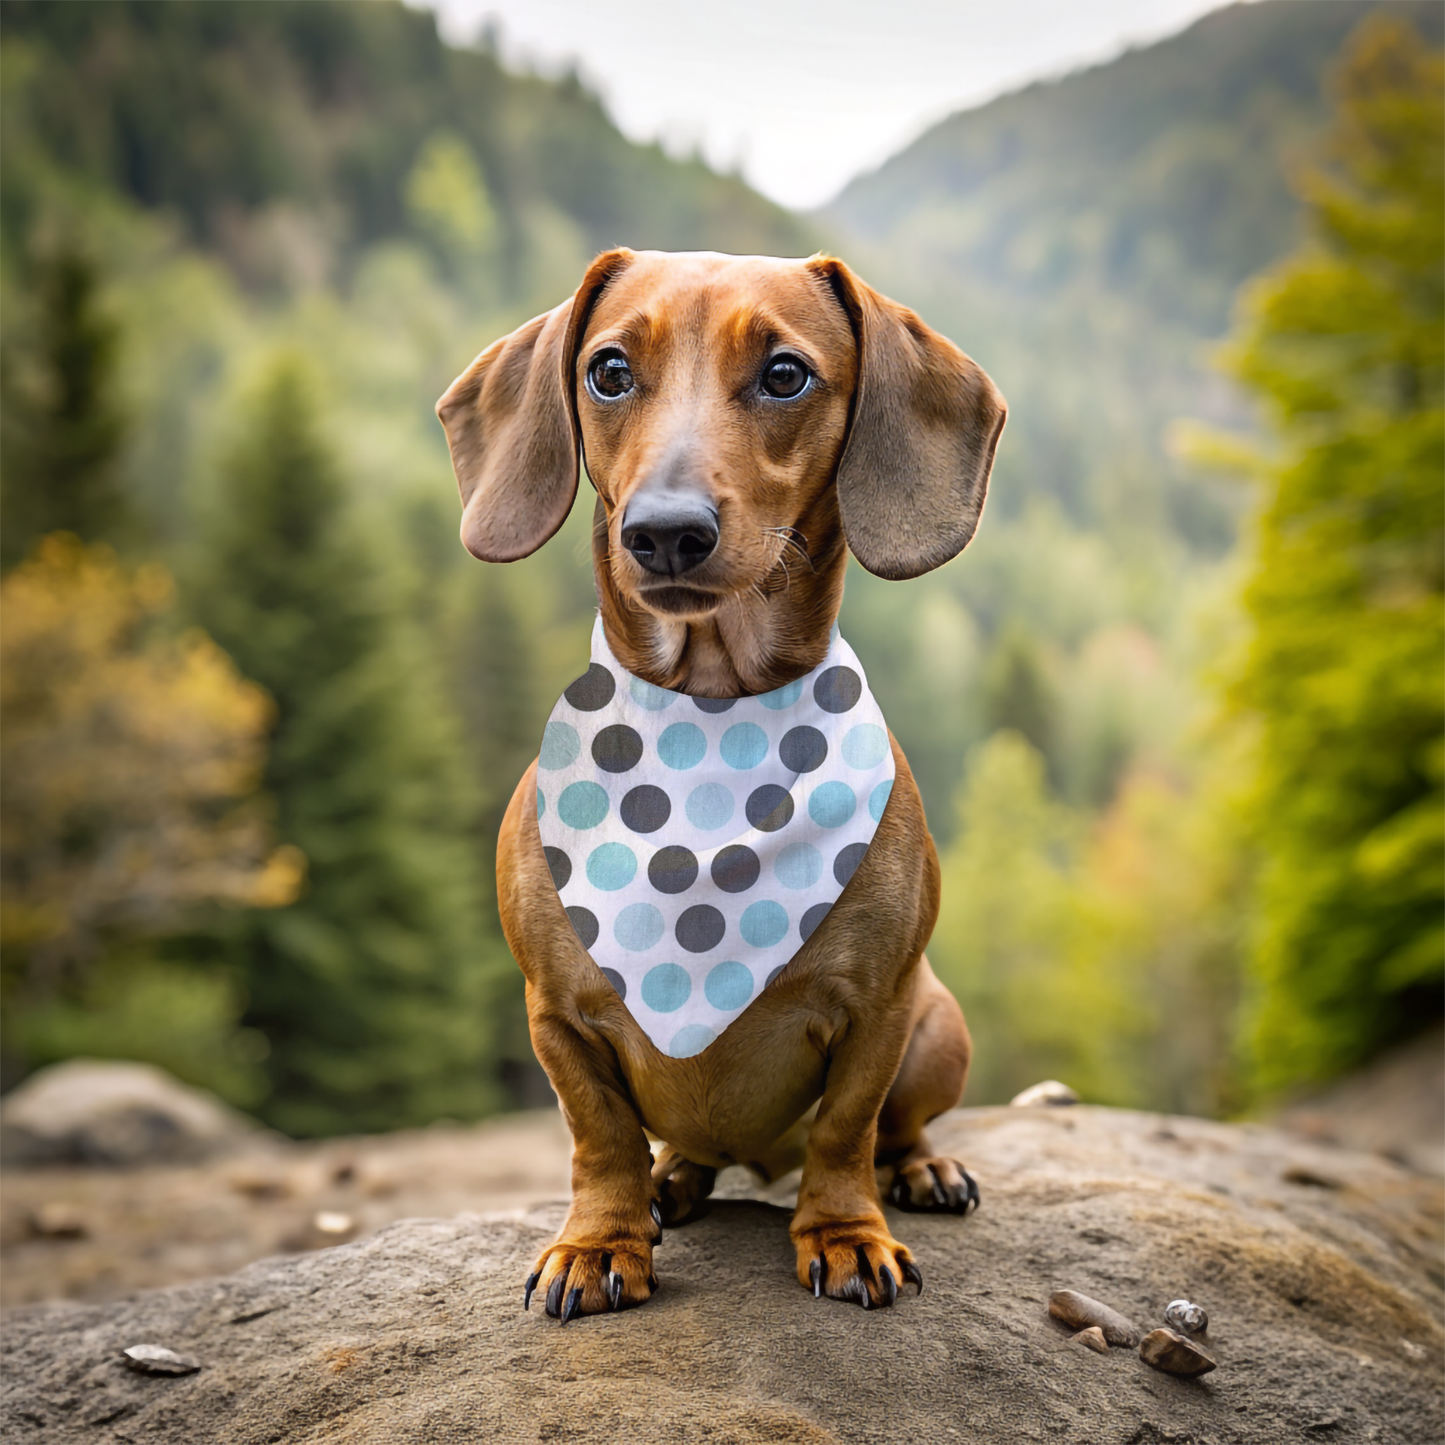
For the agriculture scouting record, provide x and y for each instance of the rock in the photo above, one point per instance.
(1093, 1338)
(1082, 1312)
(1172, 1353)
(415, 1332)
(58, 1219)
(1050, 1092)
(92, 1112)
(158, 1360)
(1188, 1318)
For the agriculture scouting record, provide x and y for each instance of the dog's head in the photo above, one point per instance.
(722, 403)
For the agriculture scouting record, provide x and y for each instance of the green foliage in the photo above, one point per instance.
(1092, 948)
(374, 987)
(185, 1019)
(61, 424)
(1343, 677)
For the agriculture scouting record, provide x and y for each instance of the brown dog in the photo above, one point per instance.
(744, 421)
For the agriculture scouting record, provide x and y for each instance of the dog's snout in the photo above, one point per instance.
(669, 535)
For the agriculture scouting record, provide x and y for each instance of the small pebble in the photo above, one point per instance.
(1173, 1354)
(157, 1360)
(1051, 1091)
(1081, 1312)
(1189, 1318)
(1093, 1337)
(329, 1222)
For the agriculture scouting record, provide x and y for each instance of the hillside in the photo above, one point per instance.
(305, 121)
(1103, 223)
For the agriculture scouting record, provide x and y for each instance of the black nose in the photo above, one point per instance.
(669, 535)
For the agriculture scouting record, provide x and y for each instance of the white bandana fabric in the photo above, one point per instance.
(697, 842)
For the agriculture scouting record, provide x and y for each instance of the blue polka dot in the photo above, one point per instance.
(638, 927)
(689, 1040)
(541, 803)
(799, 865)
(666, 988)
(729, 986)
(831, 805)
(654, 699)
(782, 697)
(709, 806)
(865, 746)
(764, 924)
(582, 805)
(744, 745)
(611, 866)
(560, 746)
(682, 746)
(878, 798)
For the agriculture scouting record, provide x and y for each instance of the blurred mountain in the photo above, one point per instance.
(1083, 236)
(297, 126)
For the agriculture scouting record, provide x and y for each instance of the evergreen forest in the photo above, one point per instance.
(1178, 712)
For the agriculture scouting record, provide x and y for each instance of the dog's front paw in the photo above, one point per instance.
(578, 1279)
(936, 1186)
(857, 1261)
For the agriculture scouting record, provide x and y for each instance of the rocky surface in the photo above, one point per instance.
(93, 1111)
(1320, 1270)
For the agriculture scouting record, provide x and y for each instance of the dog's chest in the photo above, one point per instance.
(696, 843)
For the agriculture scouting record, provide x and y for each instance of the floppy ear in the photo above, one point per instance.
(511, 425)
(926, 420)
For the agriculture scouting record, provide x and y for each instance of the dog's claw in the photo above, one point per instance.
(614, 1290)
(887, 1284)
(816, 1271)
(913, 1274)
(972, 1197)
(573, 1305)
(528, 1288)
(656, 1214)
(554, 1295)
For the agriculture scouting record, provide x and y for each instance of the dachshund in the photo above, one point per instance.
(746, 422)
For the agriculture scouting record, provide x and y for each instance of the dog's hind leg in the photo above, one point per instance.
(681, 1185)
(930, 1080)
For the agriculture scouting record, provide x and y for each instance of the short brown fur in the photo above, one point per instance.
(888, 454)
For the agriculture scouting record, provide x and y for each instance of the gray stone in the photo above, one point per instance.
(89, 1111)
(1327, 1306)
(1051, 1093)
(1187, 1318)
(158, 1360)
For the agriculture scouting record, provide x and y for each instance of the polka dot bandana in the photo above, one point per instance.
(697, 842)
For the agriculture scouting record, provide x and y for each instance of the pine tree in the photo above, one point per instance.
(1343, 681)
(374, 987)
(63, 426)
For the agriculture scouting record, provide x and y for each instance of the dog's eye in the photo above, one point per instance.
(609, 376)
(785, 377)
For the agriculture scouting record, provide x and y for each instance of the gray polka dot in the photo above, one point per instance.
(617, 981)
(593, 690)
(673, 870)
(585, 922)
(560, 866)
(769, 808)
(803, 749)
(838, 689)
(645, 808)
(811, 919)
(736, 868)
(714, 704)
(617, 749)
(845, 865)
(700, 928)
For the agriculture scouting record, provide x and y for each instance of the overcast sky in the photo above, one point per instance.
(802, 95)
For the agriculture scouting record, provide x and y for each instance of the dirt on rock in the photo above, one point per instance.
(1320, 1269)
